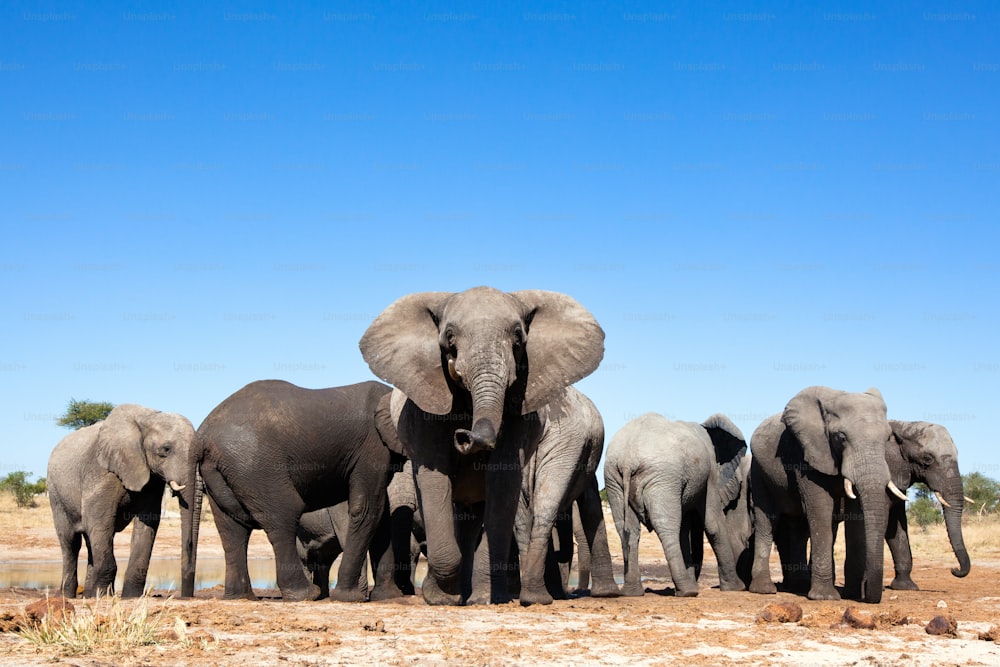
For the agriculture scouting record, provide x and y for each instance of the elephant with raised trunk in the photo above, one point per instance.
(473, 370)
(924, 452)
(105, 476)
(827, 447)
(664, 475)
(274, 451)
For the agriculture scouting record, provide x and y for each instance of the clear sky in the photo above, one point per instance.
(751, 198)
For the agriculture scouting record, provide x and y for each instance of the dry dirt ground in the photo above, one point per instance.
(658, 629)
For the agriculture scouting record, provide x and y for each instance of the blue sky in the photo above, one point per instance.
(752, 198)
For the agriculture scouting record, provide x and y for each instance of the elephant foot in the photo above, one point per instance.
(763, 587)
(385, 593)
(633, 590)
(823, 591)
(534, 595)
(311, 592)
(685, 592)
(605, 590)
(347, 594)
(246, 595)
(902, 582)
(729, 586)
(435, 596)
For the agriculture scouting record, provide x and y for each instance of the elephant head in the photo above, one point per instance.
(924, 452)
(135, 442)
(844, 434)
(503, 352)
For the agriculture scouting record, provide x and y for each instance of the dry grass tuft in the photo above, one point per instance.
(104, 625)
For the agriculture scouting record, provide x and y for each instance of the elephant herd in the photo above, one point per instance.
(482, 456)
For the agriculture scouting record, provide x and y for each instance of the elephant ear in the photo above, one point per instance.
(730, 448)
(804, 416)
(899, 467)
(401, 347)
(564, 344)
(119, 445)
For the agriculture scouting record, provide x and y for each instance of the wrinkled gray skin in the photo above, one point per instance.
(472, 370)
(802, 460)
(923, 452)
(664, 475)
(273, 451)
(319, 543)
(560, 473)
(105, 476)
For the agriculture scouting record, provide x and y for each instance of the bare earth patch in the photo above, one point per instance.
(713, 629)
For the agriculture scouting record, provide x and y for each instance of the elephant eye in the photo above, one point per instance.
(839, 437)
(518, 337)
(164, 450)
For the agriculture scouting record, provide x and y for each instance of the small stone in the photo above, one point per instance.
(856, 618)
(942, 625)
(942, 604)
(784, 612)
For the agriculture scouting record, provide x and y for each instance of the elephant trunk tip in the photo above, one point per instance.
(482, 437)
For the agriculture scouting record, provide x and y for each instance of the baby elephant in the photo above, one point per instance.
(107, 475)
(667, 476)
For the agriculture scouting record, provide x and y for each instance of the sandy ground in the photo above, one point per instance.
(658, 629)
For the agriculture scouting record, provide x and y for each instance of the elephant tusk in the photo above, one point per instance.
(174, 486)
(896, 492)
(940, 498)
(969, 500)
(849, 489)
(455, 375)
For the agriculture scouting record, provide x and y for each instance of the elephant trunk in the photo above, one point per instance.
(874, 508)
(192, 496)
(488, 394)
(955, 497)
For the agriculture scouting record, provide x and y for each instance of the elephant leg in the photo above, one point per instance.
(381, 554)
(764, 527)
(101, 568)
(693, 541)
(595, 554)
(718, 539)
(475, 554)
(583, 555)
(144, 527)
(70, 543)
(898, 539)
(559, 557)
(629, 531)
(235, 537)
(854, 541)
(533, 563)
(791, 538)
(819, 506)
(665, 517)
(503, 488)
(442, 585)
(366, 512)
(401, 528)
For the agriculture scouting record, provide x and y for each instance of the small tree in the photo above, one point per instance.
(983, 491)
(84, 413)
(17, 484)
(923, 510)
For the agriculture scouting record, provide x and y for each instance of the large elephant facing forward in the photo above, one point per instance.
(474, 369)
(827, 444)
(924, 452)
(107, 475)
(664, 474)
